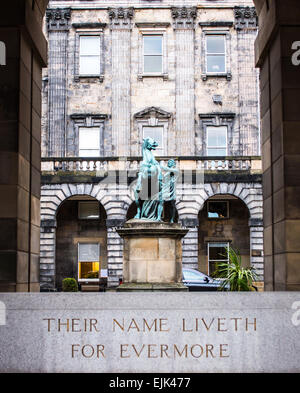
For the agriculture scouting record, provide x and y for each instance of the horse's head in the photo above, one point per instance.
(149, 144)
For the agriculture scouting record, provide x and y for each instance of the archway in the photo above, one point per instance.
(81, 242)
(223, 222)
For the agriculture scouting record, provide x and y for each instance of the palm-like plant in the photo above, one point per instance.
(235, 277)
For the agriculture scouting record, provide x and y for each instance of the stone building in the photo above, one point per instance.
(181, 73)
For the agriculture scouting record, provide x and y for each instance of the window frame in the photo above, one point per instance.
(216, 147)
(148, 31)
(161, 55)
(218, 218)
(84, 120)
(82, 280)
(163, 137)
(215, 54)
(90, 32)
(99, 137)
(81, 74)
(215, 260)
(215, 31)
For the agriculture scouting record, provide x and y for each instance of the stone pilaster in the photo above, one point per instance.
(114, 252)
(246, 26)
(58, 30)
(190, 243)
(185, 86)
(120, 25)
(256, 246)
(47, 254)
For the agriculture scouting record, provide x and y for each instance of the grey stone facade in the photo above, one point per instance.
(184, 99)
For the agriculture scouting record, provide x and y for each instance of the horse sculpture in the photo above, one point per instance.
(153, 188)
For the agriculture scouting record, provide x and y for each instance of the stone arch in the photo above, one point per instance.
(250, 193)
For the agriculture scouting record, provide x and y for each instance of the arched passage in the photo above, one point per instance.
(223, 222)
(81, 241)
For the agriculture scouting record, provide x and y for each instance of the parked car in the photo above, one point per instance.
(197, 281)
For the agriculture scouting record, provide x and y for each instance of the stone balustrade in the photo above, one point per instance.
(105, 164)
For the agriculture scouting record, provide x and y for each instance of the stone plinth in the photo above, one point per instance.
(152, 255)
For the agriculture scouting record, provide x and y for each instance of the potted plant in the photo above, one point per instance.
(69, 285)
(234, 276)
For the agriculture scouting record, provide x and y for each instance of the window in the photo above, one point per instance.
(89, 141)
(155, 133)
(88, 210)
(88, 261)
(216, 141)
(217, 209)
(217, 252)
(153, 54)
(215, 54)
(89, 50)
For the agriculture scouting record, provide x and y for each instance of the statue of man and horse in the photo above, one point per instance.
(156, 185)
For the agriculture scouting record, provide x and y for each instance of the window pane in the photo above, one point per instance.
(153, 45)
(155, 133)
(88, 210)
(89, 153)
(215, 44)
(218, 251)
(215, 63)
(89, 45)
(152, 64)
(88, 270)
(216, 136)
(212, 152)
(217, 210)
(89, 65)
(89, 138)
(88, 252)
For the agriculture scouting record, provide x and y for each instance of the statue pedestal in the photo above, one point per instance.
(152, 256)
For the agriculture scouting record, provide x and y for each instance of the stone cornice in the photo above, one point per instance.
(58, 19)
(120, 18)
(245, 18)
(152, 111)
(87, 25)
(184, 17)
(152, 24)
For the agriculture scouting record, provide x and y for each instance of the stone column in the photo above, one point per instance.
(120, 25)
(185, 86)
(246, 27)
(278, 56)
(114, 252)
(23, 54)
(58, 31)
(256, 246)
(190, 243)
(47, 254)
